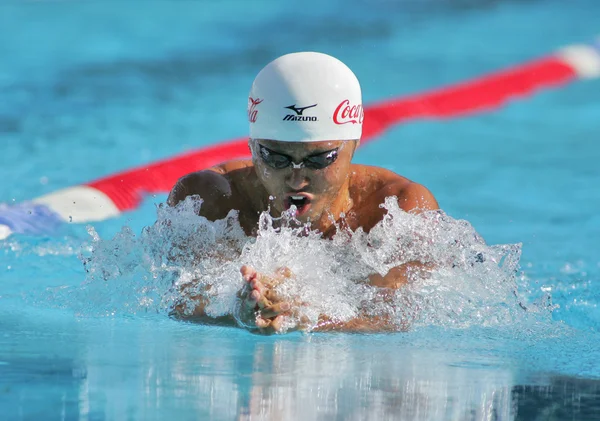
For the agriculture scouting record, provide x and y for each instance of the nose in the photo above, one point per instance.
(296, 179)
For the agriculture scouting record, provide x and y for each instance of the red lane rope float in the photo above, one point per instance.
(110, 196)
(127, 189)
(482, 94)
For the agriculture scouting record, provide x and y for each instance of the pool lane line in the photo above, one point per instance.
(110, 196)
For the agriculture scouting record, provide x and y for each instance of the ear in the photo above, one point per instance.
(252, 146)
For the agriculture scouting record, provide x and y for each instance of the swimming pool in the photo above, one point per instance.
(89, 89)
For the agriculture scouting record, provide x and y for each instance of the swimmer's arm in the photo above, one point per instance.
(358, 325)
(414, 198)
(366, 323)
(198, 313)
(214, 190)
(401, 275)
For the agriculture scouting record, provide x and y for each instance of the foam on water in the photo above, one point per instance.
(470, 283)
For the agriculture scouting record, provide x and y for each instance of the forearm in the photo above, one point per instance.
(367, 320)
(205, 319)
(387, 287)
(356, 325)
(401, 275)
(193, 309)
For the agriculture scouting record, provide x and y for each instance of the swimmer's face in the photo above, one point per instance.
(307, 175)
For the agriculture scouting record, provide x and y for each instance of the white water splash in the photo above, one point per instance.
(471, 283)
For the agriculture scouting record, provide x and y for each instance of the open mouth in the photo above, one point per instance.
(301, 202)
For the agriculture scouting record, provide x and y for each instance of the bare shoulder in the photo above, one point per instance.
(215, 186)
(416, 198)
(383, 183)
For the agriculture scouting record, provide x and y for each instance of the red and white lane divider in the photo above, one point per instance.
(110, 196)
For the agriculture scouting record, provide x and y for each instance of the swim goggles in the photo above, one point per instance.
(279, 161)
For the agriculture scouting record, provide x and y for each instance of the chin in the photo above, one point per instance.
(313, 216)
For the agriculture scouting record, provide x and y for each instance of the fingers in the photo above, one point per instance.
(256, 301)
(273, 296)
(284, 271)
(275, 310)
(267, 325)
(248, 273)
(277, 323)
(258, 288)
(254, 289)
(262, 323)
(273, 319)
(257, 285)
(253, 297)
(254, 279)
(280, 275)
(258, 296)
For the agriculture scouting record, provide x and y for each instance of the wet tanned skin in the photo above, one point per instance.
(356, 191)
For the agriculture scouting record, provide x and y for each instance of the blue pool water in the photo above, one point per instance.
(91, 88)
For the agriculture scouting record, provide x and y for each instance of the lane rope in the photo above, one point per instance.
(110, 196)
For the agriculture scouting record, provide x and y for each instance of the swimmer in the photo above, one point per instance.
(306, 115)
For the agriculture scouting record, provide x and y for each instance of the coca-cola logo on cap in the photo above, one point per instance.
(252, 111)
(348, 113)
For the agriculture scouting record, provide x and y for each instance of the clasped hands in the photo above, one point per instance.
(261, 306)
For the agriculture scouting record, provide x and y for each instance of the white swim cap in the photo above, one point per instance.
(305, 97)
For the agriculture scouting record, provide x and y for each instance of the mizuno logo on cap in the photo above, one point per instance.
(299, 111)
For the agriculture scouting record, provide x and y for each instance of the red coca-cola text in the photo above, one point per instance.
(252, 111)
(347, 113)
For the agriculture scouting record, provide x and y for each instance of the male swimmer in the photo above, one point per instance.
(306, 115)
